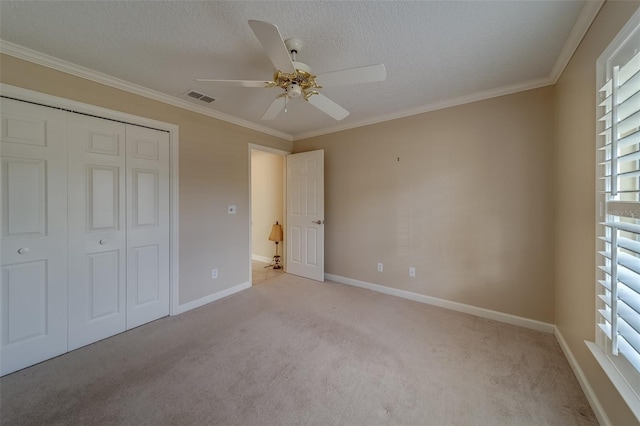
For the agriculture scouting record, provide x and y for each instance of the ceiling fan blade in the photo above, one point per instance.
(327, 106)
(367, 74)
(269, 36)
(274, 109)
(237, 83)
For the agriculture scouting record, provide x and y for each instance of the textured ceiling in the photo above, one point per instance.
(433, 51)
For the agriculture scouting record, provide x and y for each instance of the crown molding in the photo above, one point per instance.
(580, 28)
(447, 103)
(38, 58)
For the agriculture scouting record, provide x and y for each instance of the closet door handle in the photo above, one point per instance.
(318, 222)
(102, 242)
(23, 250)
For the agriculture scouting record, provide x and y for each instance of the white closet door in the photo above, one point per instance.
(147, 225)
(97, 229)
(33, 320)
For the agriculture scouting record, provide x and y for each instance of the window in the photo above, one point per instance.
(618, 204)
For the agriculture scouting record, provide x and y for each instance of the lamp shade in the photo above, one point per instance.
(276, 232)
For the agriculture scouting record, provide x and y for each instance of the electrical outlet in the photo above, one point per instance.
(380, 267)
(412, 272)
(214, 273)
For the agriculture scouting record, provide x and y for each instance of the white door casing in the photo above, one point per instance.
(305, 214)
(33, 186)
(147, 225)
(97, 229)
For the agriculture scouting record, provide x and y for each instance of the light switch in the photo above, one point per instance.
(231, 209)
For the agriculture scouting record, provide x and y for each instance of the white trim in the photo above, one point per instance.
(580, 28)
(447, 304)
(38, 58)
(256, 147)
(597, 408)
(606, 360)
(211, 298)
(174, 243)
(35, 57)
(586, 17)
(616, 378)
(447, 103)
(63, 103)
(259, 258)
(619, 39)
(174, 200)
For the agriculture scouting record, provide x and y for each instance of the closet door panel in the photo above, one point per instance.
(33, 218)
(97, 229)
(148, 225)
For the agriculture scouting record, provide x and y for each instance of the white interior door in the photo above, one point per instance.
(305, 214)
(147, 225)
(97, 229)
(33, 320)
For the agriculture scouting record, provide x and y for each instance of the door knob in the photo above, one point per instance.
(102, 242)
(318, 222)
(23, 250)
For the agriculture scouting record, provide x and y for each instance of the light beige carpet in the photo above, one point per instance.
(294, 351)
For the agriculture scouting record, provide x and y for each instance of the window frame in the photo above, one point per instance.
(624, 376)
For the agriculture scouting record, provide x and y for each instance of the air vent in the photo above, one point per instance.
(200, 96)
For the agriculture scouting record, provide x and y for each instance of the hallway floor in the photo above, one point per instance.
(260, 273)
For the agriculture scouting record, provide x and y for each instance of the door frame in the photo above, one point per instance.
(44, 99)
(281, 153)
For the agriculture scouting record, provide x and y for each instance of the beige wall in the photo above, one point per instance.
(476, 197)
(213, 173)
(575, 201)
(267, 200)
(463, 194)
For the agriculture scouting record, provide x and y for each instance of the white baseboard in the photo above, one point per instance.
(211, 298)
(259, 258)
(597, 408)
(454, 306)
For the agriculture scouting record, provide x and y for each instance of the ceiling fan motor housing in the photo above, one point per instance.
(298, 84)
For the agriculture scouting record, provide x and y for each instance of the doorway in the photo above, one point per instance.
(267, 203)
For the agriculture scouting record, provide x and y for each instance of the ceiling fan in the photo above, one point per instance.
(296, 79)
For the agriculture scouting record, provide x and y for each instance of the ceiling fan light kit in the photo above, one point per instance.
(296, 78)
(294, 90)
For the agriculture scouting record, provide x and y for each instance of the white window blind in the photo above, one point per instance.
(618, 304)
